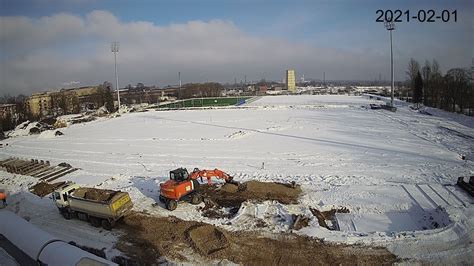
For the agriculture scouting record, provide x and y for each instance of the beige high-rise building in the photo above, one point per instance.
(290, 80)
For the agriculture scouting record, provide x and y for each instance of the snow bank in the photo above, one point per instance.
(28, 128)
(462, 119)
(50, 134)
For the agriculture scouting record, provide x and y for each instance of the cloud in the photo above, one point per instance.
(46, 53)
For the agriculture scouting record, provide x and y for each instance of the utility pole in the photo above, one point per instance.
(324, 79)
(390, 26)
(115, 49)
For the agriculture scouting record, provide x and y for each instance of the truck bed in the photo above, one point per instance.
(100, 202)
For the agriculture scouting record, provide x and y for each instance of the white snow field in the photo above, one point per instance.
(395, 172)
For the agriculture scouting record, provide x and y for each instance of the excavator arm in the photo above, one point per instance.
(210, 174)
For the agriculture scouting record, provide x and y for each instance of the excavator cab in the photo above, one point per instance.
(179, 175)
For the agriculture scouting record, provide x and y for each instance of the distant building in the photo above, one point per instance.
(290, 80)
(65, 101)
(39, 104)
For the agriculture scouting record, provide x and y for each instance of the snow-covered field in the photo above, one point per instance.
(393, 171)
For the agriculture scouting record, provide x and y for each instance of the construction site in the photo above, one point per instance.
(275, 180)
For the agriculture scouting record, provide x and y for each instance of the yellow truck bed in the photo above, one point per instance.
(101, 203)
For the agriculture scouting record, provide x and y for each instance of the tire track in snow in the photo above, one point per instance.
(446, 195)
(434, 196)
(433, 203)
(418, 198)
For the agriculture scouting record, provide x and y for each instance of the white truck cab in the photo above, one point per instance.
(60, 195)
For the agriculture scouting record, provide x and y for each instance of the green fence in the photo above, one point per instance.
(206, 102)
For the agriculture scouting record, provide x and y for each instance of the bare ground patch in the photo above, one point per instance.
(224, 201)
(232, 195)
(148, 238)
(42, 188)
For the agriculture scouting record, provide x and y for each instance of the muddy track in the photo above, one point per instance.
(148, 239)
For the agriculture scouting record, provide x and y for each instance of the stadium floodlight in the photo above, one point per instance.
(115, 49)
(390, 26)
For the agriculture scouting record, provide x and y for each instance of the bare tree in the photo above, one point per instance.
(427, 89)
(412, 71)
(418, 91)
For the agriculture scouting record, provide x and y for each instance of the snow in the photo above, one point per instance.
(48, 134)
(462, 119)
(393, 171)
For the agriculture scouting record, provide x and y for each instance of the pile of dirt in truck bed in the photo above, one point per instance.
(148, 239)
(42, 188)
(94, 194)
(232, 195)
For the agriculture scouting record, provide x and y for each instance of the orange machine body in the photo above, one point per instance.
(182, 183)
(174, 190)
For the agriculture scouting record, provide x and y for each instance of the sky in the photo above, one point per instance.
(53, 44)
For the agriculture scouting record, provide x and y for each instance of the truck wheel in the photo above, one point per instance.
(94, 221)
(196, 199)
(171, 205)
(66, 215)
(107, 225)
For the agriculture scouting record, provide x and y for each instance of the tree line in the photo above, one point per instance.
(451, 92)
(200, 90)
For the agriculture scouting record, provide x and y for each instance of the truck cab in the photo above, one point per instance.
(60, 195)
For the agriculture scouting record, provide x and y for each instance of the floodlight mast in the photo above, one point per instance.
(390, 26)
(115, 49)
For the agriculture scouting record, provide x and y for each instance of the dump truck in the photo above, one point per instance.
(100, 207)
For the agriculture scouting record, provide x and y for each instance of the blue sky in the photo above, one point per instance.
(345, 28)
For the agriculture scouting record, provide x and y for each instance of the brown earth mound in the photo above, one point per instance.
(330, 215)
(207, 239)
(232, 195)
(42, 188)
(148, 238)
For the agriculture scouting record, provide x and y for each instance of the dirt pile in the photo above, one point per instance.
(148, 238)
(42, 188)
(232, 195)
(207, 239)
(330, 215)
(300, 221)
(212, 210)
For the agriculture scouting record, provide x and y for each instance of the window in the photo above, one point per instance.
(56, 196)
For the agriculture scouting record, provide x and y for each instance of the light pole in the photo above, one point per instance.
(390, 26)
(115, 49)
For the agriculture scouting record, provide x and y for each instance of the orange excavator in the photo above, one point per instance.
(184, 185)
